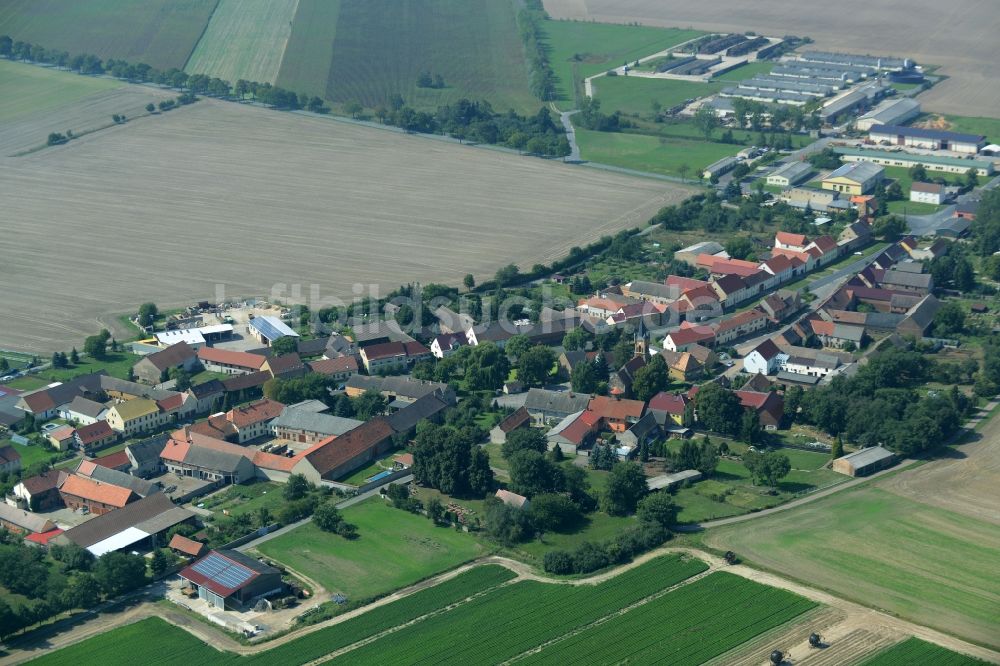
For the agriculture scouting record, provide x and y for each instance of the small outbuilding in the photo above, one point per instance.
(864, 462)
(230, 579)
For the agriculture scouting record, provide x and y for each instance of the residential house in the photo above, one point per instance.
(155, 367)
(568, 360)
(703, 355)
(781, 267)
(451, 322)
(286, 366)
(94, 436)
(209, 459)
(784, 240)
(828, 248)
(931, 193)
(766, 359)
(668, 409)
(207, 396)
(82, 493)
(10, 460)
(92, 469)
(733, 290)
(643, 431)
(741, 325)
(230, 362)
(333, 458)
(83, 411)
(144, 456)
(920, 317)
(620, 382)
(61, 438)
(122, 389)
(136, 416)
(653, 292)
(856, 235)
(244, 424)
(574, 432)
(44, 403)
(518, 419)
(447, 344)
(40, 492)
(548, 407)
(819, 365)
(836, 334)
(687, 335)
(769, 407)
(393, 356)
(617, 414)
(682, 366)
(721, 266)
(338, 369)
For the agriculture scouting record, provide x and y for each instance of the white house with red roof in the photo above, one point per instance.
(784, 240)
(687, 335)
(766, 359)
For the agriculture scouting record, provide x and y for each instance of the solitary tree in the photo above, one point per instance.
(469, 281)
(683, 171)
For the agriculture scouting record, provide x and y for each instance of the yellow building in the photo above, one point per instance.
(856, 178)
(135, 416)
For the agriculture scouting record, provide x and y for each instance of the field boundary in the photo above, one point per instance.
(204, 29)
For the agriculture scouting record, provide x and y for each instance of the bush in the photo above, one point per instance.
(558, 562)
(590, 557)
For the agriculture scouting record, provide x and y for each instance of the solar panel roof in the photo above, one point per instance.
(220, 570)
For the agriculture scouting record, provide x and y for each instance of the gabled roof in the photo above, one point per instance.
(255, 412)
(26, 520)
(235, 358)
(94, 432)
(769, 402)
(185, 545)
(310, 421)
(413, 413)
(171, 357)
(96, 491)
(225, 572)
(8, 454)
(825, 244)
(113, 461)
(858, 172)
(514, 421)
(511, 499)
(683, 336)
(48, 398)
(924, 133)
(285, 364)
(134, 409)
(730, 284)
(40, 483)
(86, 407)
(612, 408)
(393, 349)
(575, 427)
(331, 453)
(271, 328)
(787, 238)
(206, 389)
(147, 510)
(668, 402)
(147, 450)
(243, 382)
(767, 349)
(741, 319)
(93, 470)
(334, 366)
(565, 402)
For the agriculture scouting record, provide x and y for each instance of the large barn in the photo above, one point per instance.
(230, 579)
(864, 462)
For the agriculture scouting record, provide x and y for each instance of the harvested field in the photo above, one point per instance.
(166, 208)
(161, 33)
(960, 36)
(41, 100)
(245, 39)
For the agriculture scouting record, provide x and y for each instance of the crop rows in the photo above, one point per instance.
(916, 651)
(519, 617)
(687, 626)
(156, 642)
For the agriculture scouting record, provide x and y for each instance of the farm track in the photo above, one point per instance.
(857, 616)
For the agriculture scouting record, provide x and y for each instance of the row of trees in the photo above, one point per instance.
(529, 23)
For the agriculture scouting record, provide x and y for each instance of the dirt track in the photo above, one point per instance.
(261, 202)
(961, 35)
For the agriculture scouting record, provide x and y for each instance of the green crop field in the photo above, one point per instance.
(28, 90)
(166, 644)
(583, 49)
(394, 549)
(632, 94)
(693, 624)
(366, 51)
(519, 617)
(306, 63)
(924, 563)
(915, 651)
(650, 153)
(244, 40)
(161, 33)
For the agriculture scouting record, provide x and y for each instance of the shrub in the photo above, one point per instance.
(558, 562)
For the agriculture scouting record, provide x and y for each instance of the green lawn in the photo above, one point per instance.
(241, 499)
(31, 454)
(28, 383)
(902, 175)
(747, 71)
(597, 527)
(583, 49)
(394, 549)
(366, 51)
(360, 476)
(116, 364)
(649, 153)
(29, 89)
(207, 376)
(988, 127)
(161, 33)
(926, 564)
(912, 207)
(635, 95)
(244, 40)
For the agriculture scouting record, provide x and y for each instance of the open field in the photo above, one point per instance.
(988, 127)
(252, 201)
(926, 564)
(962, 39)
(29, 90)
(170, 645)
(916, 651)
(366, 51)
(161, 33)
(581, 49)
(650, 153)
(40, 100)
(633, 94)
(746, 71)
(394, 549)
(245, 39)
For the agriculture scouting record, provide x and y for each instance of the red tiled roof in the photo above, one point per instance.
(171, 403)
(94, 432)
(404, 459)
(741, 319)
(514, 421)
(332, 366)
(685, 336)
(334, 452)
(778, 264)
(115, 460)
(96, 491)
(187, 546)
(43, 538)
(684, 283)
(790, 239)
(825, 244)
(610, 408)
(255, 412)
(791, 254)
(668, 402)
(280, 365)
(175, 451)
(234, 358)
(274, 462)
(172, 356)
(390, 349)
